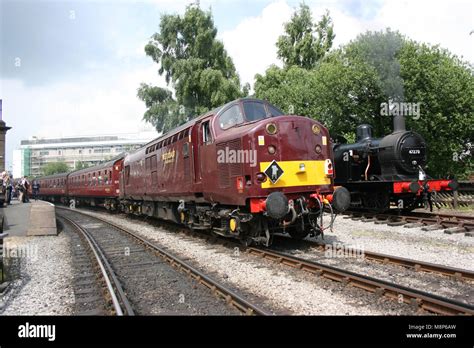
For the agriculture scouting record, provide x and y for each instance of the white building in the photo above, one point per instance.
(35, 153)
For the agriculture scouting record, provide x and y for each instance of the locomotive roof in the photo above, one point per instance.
(215, 111)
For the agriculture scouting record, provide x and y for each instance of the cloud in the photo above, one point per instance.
(88, 106)
(89, 86)
(251, 44)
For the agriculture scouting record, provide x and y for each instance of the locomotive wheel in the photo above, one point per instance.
(376, 202)
(297, 231)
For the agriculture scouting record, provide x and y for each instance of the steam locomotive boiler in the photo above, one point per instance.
(381, 171)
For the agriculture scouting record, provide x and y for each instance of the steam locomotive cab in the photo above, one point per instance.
(380, 171)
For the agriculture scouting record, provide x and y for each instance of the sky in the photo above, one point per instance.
(73, 67)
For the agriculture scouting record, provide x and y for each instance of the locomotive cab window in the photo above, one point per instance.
(273, 111)
(231, 117)
(254, 111)
(206, 133)
(186, 150)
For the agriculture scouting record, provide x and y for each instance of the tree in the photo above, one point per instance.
(304, 43)
(81, 165)
(195, 64)
(440, 82)
(444, 86)
(380, 50)
(349, 85)
(338, 94)
(55, 168)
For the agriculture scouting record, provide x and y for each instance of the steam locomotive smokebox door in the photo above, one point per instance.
(402, 153)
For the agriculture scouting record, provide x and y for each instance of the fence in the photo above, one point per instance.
(463, 197)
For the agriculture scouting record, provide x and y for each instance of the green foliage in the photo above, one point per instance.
(380, 50)
(338, 94)
(444, 85)
(55, 168)
(348, 85)
(305, 43)
(81, 165)
(195, 64)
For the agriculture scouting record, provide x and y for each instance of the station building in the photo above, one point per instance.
(33, 154)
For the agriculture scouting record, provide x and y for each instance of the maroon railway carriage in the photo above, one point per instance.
(53, 187)
(97, 185)
(243, 170)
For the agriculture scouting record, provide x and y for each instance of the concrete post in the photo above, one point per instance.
(3, 132)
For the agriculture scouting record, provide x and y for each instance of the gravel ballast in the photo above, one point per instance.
(45, 283)
(455, 250)
(286, 289)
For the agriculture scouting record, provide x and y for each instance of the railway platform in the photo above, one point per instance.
(37, 218)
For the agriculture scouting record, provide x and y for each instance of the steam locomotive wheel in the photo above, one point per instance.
(376, 202)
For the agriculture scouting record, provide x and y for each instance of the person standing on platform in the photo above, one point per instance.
(36, 188)
(9, 188)
(20, 190)
(26, 186)
(3, 177)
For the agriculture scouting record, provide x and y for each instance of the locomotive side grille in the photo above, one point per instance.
(235, 168)
(223, 168)
(187, 170)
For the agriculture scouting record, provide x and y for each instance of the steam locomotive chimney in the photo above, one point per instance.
(398, 123)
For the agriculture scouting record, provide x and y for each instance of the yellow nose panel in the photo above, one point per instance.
(313, 174)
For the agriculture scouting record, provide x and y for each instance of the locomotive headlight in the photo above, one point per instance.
(318, 148)
(271, 128)
(261, 177)
(316, 129)
(302, 167)
(271, 149)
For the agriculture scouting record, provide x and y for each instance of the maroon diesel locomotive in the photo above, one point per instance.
(243, 170)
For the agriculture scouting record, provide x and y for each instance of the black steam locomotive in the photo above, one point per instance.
(381, 171)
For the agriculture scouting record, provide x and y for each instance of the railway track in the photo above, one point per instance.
(114, 291)
(231, 298)
(419, 266)
(419, 299)
(427, 221)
